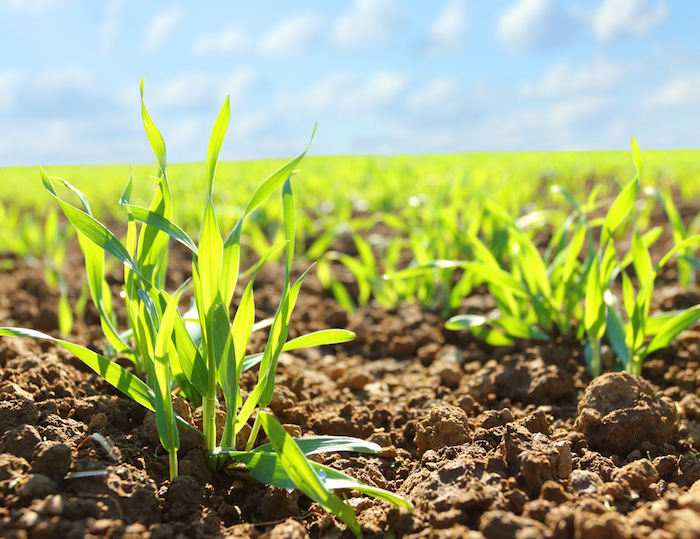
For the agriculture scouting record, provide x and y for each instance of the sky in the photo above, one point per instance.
(378, 76)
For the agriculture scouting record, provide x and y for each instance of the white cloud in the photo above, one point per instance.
(110, 24)
(563, 80)
(380, 89)
(159, 29)
(449, 31)
(344, 93)
(50, 93)
(326, 93)
(578, 109)
(231, 40)
(680, 93)
(371, 22)
(292, 36)
(626, 18)
(239, 85)
(444, 97)
(534, 24)
(188, 91)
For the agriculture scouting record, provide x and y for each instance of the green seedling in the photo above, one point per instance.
(208, 360)
(56, 237)
(687, 263)
(628, 339)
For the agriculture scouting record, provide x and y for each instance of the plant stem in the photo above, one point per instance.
(173, 464)
(596, 366)
(253, 433)
(635, 365)
(209, 414)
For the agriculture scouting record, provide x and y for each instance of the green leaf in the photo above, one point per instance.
(92, 229)
(628, 295)
(573, 251)
(210, 258)
(311, 445)
(304, 476)
(161, 223)
(620, 209)
(649, 238)
(277, 338)
(165, 416)
(289, 223)
(637, 157)
(672, 328)
(231, 261)
(224, 354)
(641, 259)
(559, 189)
(520, 329)
(100, 292)
(65, 315)
(316, 338)
(491, 336)
(535, 271)
(266, 467)
(191, 360)
(154, 136)
(594, 314)
(657, 321)
(501, 279)
(215, 141)
(463, 321)
(615, 330)
(244, 321)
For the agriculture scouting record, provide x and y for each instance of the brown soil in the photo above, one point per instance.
(513, 442)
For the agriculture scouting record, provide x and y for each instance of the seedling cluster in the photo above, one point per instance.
(202, 353)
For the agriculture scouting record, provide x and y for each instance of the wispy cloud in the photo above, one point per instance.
(563, 79)
(160, 28)
(240, 84)
(616, 19)
(53, 93)
(449, 31)
(192, 90)
(293, 36)
(530, 25)
(679, 93)
(347, 94)
(231, 40)
(443, 97)
(369, 23)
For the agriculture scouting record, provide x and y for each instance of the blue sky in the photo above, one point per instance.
(379, 76)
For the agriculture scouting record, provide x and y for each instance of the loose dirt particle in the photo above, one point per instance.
(36, 486)
(20, 441)
(289, 529)
(52, 459)
(502, 525)
(638, 474)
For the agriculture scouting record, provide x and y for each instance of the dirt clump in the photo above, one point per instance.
(445, 426)
(619, 411)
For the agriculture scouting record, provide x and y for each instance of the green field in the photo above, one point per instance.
(328, 184)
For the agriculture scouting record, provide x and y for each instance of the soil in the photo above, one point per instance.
(510, 442)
